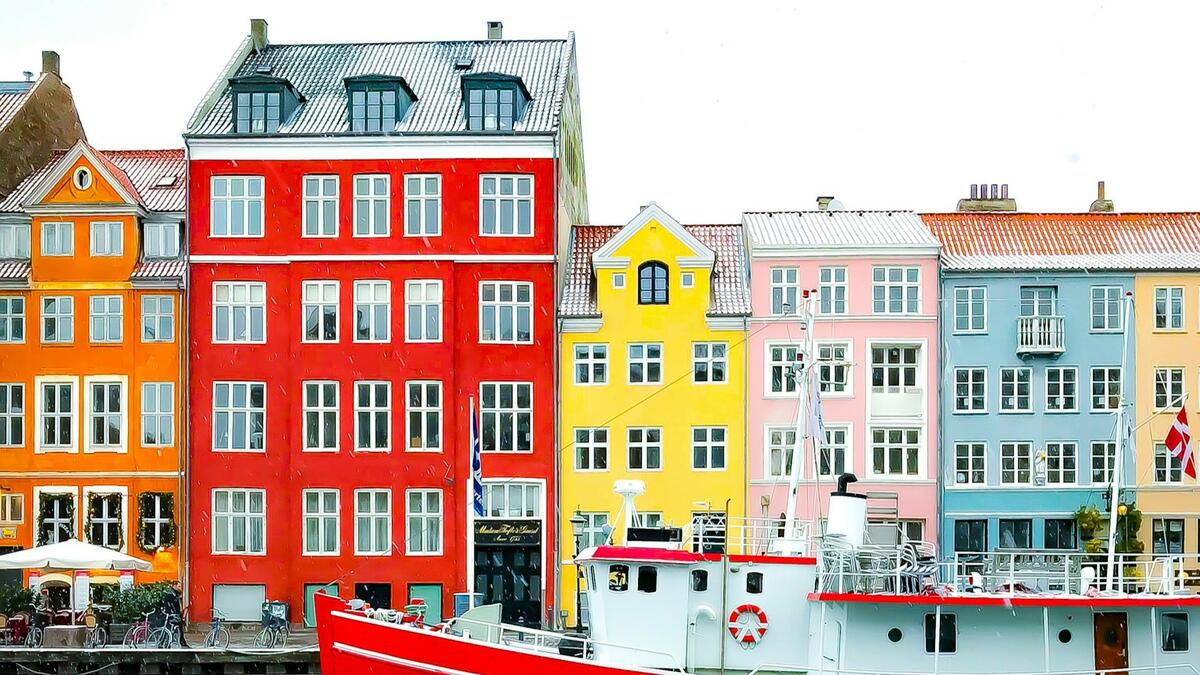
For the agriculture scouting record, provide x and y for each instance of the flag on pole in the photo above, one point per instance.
(476, 464)
(1179, 443)
(816, 417)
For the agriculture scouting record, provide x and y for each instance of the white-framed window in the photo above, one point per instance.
(320, 299)
(591, 449)
(1062, 390)
(1061, 463)
(1167, 467)
(506, 205)
(785, 290)
(321, 426)
(158, 318)
(321, 514)
(1168, 308)
(1104, 459)
(687, 280)
(14, 240)
(239, 312)
(105, 519)
(595, 530)
(1106, 388)
(835, 452)
(1106, 308)
(644, 446)
(833, 367)
(423, 310)
(12, 319)
(506, 312)
(506, 410)
(58, 319)
(894, 368)
(970, 390)
(896, 452)
(591, 363)
(156, 517)
(12, 508)
(237, 206)
(709, 362)
(320, 206)
(105, 318)
(970, 463)
(1168, 388)
(896, 290)
(708, 448)
(107, 238)
(372, 205)
(372, 522)
(12, 415)
(424, 416)
(512, 499)
(782, 360)
(1016, 390)
(645, 363)
(158, 414)
(373, 416)
(106, 408)
(58, 239)
(161, 240)
(618, 280)
(831, 290)
(970, 309)
(1016, 463)
(239, 416)
(57, 407)
(54, 514)
(781, 445)
(239, 521)
(423, 522)
(372, 311)
(422, 205)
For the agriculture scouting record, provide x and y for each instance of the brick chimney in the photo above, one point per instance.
(986, 197)
(258, 34)
(51, 63)
(1101, 205)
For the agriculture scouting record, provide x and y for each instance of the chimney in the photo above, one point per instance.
(51, 63)
(988, 197)
(1101, 205)
(823, 202)
(258, 34)
(495, 30)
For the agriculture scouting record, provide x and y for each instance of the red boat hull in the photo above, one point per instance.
(352, 644)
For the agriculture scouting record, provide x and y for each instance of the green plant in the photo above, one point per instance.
(1093, 546)
(131, 603)
(14, 599)
(1088, 518)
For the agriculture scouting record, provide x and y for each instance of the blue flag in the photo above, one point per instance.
(476, 464)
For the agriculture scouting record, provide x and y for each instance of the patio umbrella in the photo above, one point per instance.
(71, 554)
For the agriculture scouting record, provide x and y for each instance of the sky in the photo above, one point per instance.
(714, 109)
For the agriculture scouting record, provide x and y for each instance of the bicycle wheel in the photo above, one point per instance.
(263, 638)
(97, 638)
(281, 637)
(221, 638)
(34, 637)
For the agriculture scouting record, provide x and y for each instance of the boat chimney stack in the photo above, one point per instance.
(847, 512)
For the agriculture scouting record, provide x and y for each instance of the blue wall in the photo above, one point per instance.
(997, 348)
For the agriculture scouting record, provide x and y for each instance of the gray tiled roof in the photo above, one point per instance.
(837, 229)
(139, 170)
(730, 291)
(318, 72)
(12, 97)
(172, 269)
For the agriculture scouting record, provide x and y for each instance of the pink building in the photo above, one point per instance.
(875, 274)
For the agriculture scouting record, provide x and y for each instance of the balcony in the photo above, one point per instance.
(897, 401)
(1040, 335)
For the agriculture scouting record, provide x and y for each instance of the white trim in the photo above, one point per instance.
(248, 410)
(212, 513)
(371, 198)
(424, 285)
(421, 199)
(581, 325)
(952, 464)
(122, 490)
(391, 521)
(38, 381)
(496, 303)
(766, 363)
(703, 255)
(515, 410)
(320, 409)
(848, 343)
(457, 146)
(123, 380)
(90, 474)
(369, 257)
(923, 451)
(842, 318)
(848, 427)
(767, 477)
(249, 304)
(337, 522)
(855, 251)
(373, 410)
(515, 197)
(319, 284)
(80, 150)
(319, 198)
(922, 382)
(425, 409)
(547, 503)
(725, 322)
(441, 516)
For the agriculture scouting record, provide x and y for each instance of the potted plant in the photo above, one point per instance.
(129, 604)
(1089, 520)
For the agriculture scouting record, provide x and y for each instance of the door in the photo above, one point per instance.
(1039, 301)
(310, 612)
(432, 595)
(240, 602)
(1111, 639)
(378, 596)
(511, 576)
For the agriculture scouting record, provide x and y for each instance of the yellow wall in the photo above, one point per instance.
(676, 405)
(1164, 348)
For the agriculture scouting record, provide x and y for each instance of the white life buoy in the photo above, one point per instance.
(748, 625)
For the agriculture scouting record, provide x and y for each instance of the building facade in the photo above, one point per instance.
(92, 329)
(653, 382)
(376, 254)
(872, 280)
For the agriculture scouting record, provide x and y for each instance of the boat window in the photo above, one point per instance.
(699, 580)
(618, 578)
(948, 637)
(1174, 631)
(895, 634)
(647, 579)
(1064, 636)
(754, 582)
(591, 576)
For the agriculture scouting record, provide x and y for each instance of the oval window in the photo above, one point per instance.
(83, 178)
(895, 634)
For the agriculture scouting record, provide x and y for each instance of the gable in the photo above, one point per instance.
(654, 234)
(60, 186)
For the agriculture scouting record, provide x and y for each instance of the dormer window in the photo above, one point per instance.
(261, 103)
(161, 240)
(494, 102)
(377, 102)
(652, 284)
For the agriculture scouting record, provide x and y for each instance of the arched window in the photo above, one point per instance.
(652, 284)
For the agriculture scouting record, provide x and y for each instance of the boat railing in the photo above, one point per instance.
(904, 568)
(747, 536)
(1071, 572)
(1162, 669)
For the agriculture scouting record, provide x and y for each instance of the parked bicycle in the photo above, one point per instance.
(166, 636)
(218, 634)
(138, 633)
(274, 631)
(39, 618)
(97, 634)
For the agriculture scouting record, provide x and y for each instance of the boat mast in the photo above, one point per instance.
(800, 375)
(1114, 486)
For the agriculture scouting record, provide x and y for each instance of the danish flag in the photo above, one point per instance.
(1179, 443)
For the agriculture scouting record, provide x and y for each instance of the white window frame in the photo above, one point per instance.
(421, 198)
(1104, 293)
(887, 471)
(60, 318)
(121, 520)
(366, 292)
(321, 228)
(1018, 452)
(974, 454)
(370, 199)
(1062, 384)
(122, 415)
(39, 412)
(11, 502)
(106, 315)
(421, 520)
(1108, 461)
(106, 238)
(516, 308)
(41, 492)
(419, 406)
(254, 305)
(506, 489)
(499, 199)
(249, 204)
(161, 240)
(58, 239)
(151, 517)
(1174, 387)
(770, 364)
(618, 280)
(901, 367)
(708, 444)
(373, 410)
(910, 290)
(1170, 295)
(590, 444)
(1168, 470)
(964, 300)
(687, 280)
(1064, 450)
(14, 241)
(592, 532)
(831, 449)
(785, 287)
(248, 516)
(703, 354)
(417, 295)
(11, 318)
(516, 413)
(12, 417)
(324, 519)
(645, 360)
(230, 412)
(152, 311)
(832, 282)
(595, 355)
(785, 447)
(644, 445)
(317, 411)
(1111, 386)
(828, 363)
(315, 296)
(1016, 389)
(976, 377)
(156, 418)
(373, 517)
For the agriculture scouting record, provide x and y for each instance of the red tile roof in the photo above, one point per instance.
(138, 171)
(1067, 241)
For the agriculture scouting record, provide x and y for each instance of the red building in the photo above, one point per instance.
(375, 239)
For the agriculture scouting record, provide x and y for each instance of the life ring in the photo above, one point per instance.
(748, 625)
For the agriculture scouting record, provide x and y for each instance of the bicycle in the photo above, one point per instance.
(166, 636)
(138, 633)
(218, 634)
(38, 620)
(274, 632)
(97, 634)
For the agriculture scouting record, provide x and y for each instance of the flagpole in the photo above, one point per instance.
(469, 492)
(1119, 455)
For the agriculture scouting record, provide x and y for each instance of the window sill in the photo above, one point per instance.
(424, 451)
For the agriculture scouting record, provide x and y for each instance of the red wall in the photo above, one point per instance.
(459, 361)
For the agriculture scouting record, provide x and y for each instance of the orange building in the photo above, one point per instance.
(92, 333)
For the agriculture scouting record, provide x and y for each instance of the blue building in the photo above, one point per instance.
(1031, 340)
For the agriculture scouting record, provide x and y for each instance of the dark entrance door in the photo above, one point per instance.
(10, 577)
(508, 568)
(1111, 637)
(378, 596)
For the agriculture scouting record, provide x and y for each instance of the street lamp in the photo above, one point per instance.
(578, 521)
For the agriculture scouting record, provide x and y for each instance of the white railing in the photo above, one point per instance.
(1174, 669)
(1070, 572)
(747, 536)
(909, 567)
(1040, 335)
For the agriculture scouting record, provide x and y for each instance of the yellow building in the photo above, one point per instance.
(1167, 367)
(653, 367)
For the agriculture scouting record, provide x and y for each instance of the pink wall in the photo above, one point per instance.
(860, 327)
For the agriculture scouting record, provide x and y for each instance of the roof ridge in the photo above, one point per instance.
(407, 42)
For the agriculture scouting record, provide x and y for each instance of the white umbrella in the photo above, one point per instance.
(71, 554)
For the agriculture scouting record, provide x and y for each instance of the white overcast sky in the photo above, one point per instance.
(715, 109)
